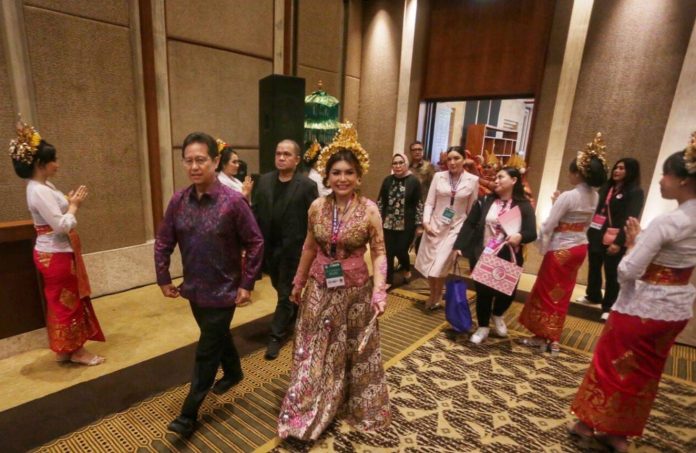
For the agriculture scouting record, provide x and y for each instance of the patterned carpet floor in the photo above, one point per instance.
(447, 395)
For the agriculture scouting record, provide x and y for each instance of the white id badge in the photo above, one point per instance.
(598, 221)
(447, 215)
(334, 275)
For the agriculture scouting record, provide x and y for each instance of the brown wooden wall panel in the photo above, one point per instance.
(493, 48)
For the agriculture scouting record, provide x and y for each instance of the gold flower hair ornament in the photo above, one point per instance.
(23, 148)
(595, 149)
(313, 151)
(345, 138)
(221, 144)
(517, 162)
(690, 158)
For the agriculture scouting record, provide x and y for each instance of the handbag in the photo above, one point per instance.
(610, 233)
(457, 310)
(497, 273)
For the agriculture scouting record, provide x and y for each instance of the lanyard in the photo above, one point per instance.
(607, 200)
(453, 187)
(336, 225)
(503, 207)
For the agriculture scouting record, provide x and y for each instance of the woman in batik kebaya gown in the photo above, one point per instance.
(564, 246)
(337, 364)
(654, 305)
(70, 318)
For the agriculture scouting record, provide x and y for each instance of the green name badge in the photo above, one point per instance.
(447, 215)
(334, 275)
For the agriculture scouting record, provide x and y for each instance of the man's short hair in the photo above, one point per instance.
(202, 138)
(417, 142)
(295, 147)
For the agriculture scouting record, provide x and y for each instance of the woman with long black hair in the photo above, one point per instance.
(620, 198)
(482, 231)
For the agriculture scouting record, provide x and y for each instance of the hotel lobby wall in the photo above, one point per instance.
(630, 68)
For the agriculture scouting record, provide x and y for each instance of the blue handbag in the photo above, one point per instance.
(457, 310)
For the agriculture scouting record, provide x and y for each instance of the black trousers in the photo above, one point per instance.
(596, 261)
(397, 244)
(282, 270)
(215, 348)
(487, 300)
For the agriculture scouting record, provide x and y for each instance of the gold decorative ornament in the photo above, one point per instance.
(690, 158)
(221, 144)
(313, 151)
(345, 138)
(595, 149)
(491, 159)
(517, 162)
(23, 148)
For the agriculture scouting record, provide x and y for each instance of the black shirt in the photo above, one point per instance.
(280, 190)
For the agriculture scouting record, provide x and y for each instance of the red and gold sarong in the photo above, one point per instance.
(621, 384)
(546, 307)
(70, 318)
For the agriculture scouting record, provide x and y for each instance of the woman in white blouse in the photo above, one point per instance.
(227, 171)
(70, 318)
(564, 246)
(653, 307)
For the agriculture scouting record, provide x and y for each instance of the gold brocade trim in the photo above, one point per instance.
(539, 321)
(44, 258)
(625, 364)
(557, 293)
(657, 274)
(562, 256)
(68, 298)
(570, 227)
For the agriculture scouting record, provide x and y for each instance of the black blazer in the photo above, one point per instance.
(301, 192)
(624, 204)
(470, 238)
(413, 198)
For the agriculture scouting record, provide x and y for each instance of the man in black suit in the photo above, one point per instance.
(281, 202)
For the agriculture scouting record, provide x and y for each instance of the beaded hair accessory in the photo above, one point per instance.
(690, 155)
(221, 144)
(313, 151)
(595, 149)
(345, 138)
(23, 148)
(517, 162)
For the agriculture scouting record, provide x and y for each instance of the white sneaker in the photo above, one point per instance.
(499, 326)
(480, 335)
(605, 316)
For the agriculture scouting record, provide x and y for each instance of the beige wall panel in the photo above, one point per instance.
(330, 80)
(251, 157)
(633, 57)
(14, 205)
(354, 44)
(85, 99)
(113, 11)
(215, 91)
(381, 54)
(320, 31)
(544, 104)
(351, 103)
(243, 25)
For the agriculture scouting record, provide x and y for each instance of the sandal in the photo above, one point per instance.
(91, 361)
(535, 342)
(436, 306)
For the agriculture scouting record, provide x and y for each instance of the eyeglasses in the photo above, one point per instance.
(200, 161)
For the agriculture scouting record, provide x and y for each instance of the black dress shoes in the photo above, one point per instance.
(272, 349)
(183, 426)
(226, 383)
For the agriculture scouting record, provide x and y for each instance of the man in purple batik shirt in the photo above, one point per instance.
(212, 224)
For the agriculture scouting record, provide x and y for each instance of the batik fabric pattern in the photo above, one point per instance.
(546, 308)
(329, 377)
(621, 384)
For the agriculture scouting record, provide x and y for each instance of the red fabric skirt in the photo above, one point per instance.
(620, 386)
(70, 320)
(547, 305)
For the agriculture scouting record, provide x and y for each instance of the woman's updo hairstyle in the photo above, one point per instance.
(343, 154)
(593, 174)
(680, 163)
(45, 153)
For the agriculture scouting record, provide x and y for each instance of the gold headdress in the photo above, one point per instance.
(23, 148)
(313, 151)
(345, 138)
(517, 162)
(690, 158)
(595, 149)
(491, 159)
(221, 144)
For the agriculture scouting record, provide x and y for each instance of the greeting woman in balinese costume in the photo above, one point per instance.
(654, 305)
(564, 245)
(70, 318)
(228, 170)
(451, 196)
(337, 363)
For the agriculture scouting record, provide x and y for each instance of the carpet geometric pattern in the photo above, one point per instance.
(452, 396)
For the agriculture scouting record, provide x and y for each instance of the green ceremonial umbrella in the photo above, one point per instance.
(321, 116)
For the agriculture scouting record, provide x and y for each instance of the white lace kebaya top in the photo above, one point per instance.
(669, 240)
(232, 183)
(316, 177)
(573, 206)
(48, 206)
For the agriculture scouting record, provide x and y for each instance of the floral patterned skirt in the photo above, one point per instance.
(329, 377)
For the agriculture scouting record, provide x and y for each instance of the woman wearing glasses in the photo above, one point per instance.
(401, 206)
